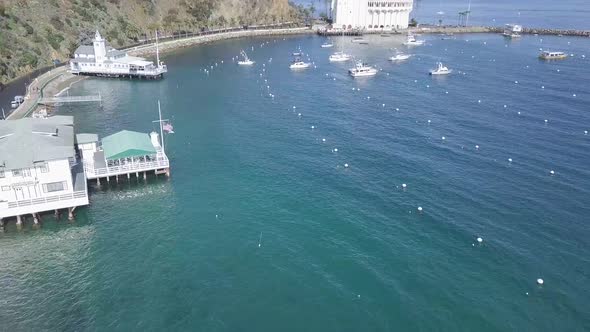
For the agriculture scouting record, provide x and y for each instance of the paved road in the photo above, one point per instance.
(34, 91)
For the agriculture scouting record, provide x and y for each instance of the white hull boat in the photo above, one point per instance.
(412, 41)
(339, 57)
(245, 61)
(300, 65)
(362, 70)
(440, 70)
(399, 57)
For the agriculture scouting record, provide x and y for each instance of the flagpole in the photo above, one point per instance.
(161, 129)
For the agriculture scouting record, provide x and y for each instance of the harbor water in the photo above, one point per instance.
(262, 227)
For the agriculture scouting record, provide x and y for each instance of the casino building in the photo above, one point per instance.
(371, 15)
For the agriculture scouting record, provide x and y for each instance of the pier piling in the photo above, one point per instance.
(35, 218)
(19, 221)
(71, 213)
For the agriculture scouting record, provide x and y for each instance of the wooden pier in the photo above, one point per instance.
(69, 99)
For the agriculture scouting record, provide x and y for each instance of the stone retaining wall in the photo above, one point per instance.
(186, 42)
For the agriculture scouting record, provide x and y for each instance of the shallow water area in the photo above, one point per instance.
(262, 227)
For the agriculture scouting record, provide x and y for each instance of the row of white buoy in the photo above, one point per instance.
(479, 239)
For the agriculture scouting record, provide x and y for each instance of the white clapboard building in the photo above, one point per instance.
(371, 15)
(99, 59)
(39, 170)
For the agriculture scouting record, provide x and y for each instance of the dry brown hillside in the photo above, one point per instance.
(33, 33)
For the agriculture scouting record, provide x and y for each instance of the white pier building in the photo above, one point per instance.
(39, 170)
(99, 59)
(371, 15)
(125, 153)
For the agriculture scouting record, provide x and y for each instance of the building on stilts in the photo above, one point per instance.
(40, 170)
(99, 59)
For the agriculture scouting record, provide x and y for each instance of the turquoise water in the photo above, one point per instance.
(262, 228)
(564, 14)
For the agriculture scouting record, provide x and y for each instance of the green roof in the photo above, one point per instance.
(126, 144)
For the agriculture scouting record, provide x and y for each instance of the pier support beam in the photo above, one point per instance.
(168, 172)
(128, 176)
(56, 214)
(19, 222)
(1, 225)
(71, 213)
(98, 182)
(35, 218)
(145, 175)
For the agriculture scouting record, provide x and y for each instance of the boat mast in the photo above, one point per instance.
(468, 12)
(161, 129)
(157, 55)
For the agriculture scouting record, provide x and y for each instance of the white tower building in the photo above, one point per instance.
(371, 15)
(100, 48)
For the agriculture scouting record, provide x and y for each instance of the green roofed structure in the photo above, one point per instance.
(127, 144)
(124, 153)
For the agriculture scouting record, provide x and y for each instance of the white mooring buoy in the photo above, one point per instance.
(404, 185)
(346, 165)
(419, 209)
(540, 281)
(552, 172)
(479, 240)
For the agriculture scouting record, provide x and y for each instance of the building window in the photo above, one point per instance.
(5, 188)
(53, 186)
(1, 173)
(16, 172)
(44, 168)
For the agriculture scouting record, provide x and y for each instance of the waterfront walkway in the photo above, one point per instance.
(35, 92)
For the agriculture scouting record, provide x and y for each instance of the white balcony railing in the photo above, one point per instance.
(92, 172)
(50, 199)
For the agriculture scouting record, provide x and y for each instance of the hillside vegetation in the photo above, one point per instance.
(34, 33)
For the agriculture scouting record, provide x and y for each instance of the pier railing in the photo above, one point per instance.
(50, 199)
(93, 173)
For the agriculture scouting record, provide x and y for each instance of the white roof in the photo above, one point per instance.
(133, 60)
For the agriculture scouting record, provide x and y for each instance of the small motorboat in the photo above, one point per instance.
(339, 57)
(400, 57)
(412, 41)
(245, 60)
(551, 55)
(327, 45)
(440, 70)
(298, 64)
(362, 69)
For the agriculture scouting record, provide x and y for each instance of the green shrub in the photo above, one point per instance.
(54, 39)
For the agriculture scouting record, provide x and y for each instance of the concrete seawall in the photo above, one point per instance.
(482, 29)
(186, 42)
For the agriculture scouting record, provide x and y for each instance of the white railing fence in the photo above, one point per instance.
(50, 199)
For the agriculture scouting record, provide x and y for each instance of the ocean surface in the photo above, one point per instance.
(261, 227)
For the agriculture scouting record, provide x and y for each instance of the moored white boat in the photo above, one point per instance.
(339, 57)
(412, 41)
(400, 57)
(440, 70)
(362, 69)
(298, 64)
(245, 60)
(327, 45)
(552, 55)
